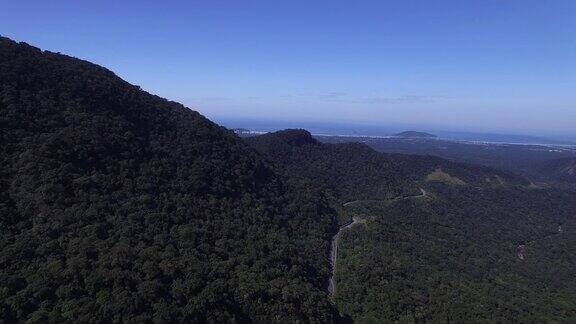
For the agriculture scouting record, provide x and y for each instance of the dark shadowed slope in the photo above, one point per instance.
(528, 160)
(117, 205)
(560, 170)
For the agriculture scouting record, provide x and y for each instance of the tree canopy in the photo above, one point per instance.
(117, 205)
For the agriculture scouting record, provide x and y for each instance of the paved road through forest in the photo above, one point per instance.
(345, 227)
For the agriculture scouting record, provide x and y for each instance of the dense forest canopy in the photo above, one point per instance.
(499, 255)
(545, 165)
(451, 255)
(117, 205)
(120, 206)
(352, 171)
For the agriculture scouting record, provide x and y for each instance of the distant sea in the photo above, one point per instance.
(359, 130)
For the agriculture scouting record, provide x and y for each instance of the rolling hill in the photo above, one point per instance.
(533, 161)
(480, 245)
(351, 171)
(414, 134)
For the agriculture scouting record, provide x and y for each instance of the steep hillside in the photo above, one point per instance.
(477, 244)
(120, 206)
(462, 254)
(351, 171)
(533, 161)
(561, 170)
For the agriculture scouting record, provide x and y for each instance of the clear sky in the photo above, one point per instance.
(479, 65)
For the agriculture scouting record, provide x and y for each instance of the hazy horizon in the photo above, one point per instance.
(478, 66)
(383, 129)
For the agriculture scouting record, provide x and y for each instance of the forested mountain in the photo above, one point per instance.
(533, 161)
(351, 171)
(462, 255)
(561, 170)
(120, 206)
(481, 245)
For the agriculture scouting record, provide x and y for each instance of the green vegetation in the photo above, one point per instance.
(560, 170)
(448, 256)
(119, 206)
(454, 258)
(441, 176)
(354, 171)
(544, 165)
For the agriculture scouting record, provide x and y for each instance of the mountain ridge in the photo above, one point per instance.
(119, 205)
(354, 171)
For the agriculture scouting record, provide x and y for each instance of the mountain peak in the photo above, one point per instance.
(142, 182)
(296, 137)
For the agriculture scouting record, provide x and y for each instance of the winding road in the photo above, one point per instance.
(423, 193)
(334, 250)
(347, 226)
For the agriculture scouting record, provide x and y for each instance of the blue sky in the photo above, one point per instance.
(478, 65)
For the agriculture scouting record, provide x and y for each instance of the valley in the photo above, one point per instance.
(345, 227)
(414, 259)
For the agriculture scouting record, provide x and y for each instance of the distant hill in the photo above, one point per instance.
(120, 206)
(526, 160)
(355, 171)
(414, 134)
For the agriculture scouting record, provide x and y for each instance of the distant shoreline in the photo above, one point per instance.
(471, 142)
